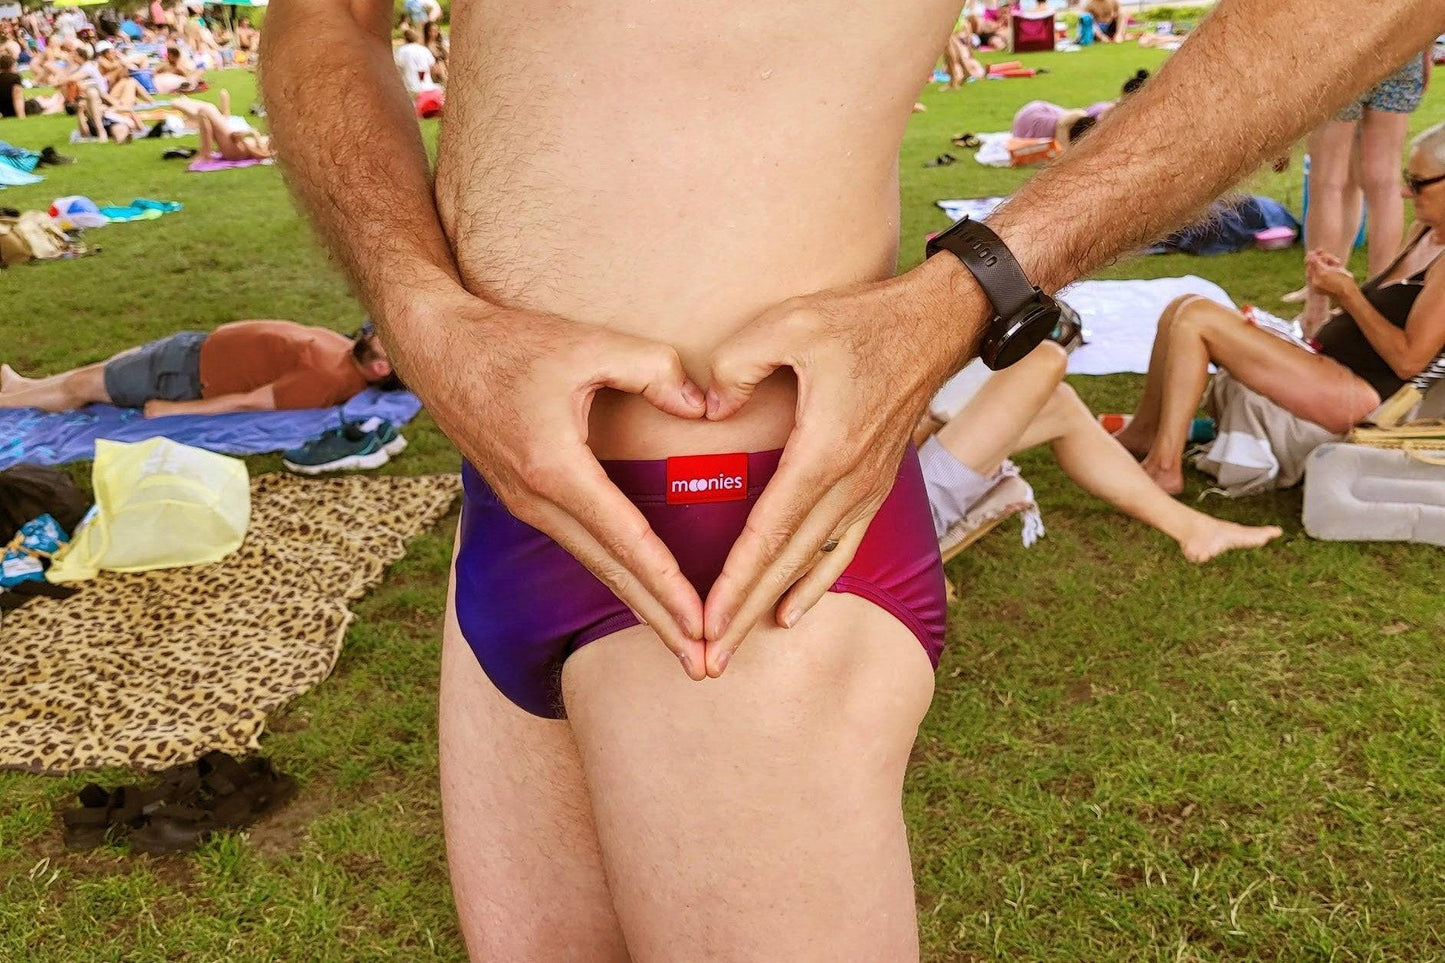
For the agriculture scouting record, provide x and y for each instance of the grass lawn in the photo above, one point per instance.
(1128, 758)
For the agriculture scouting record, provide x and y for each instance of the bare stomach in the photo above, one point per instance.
(673, 182)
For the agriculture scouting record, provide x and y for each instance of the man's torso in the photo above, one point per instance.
(671, 172)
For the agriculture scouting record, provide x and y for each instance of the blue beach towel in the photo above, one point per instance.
(37, 438)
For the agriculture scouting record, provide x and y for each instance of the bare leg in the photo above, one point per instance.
(757, 816)
(1311, 386)
(521, 848)
(988, 428)
(93, 104)
(63, 392)
(1138, 435)
(1331, 148)
(1382, 143)
(1098, 464)
(209, 123)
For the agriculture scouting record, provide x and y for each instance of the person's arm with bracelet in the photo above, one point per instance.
(511, 388)
(1255, 77)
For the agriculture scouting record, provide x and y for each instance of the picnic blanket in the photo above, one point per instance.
(38, 438)
(1120, 318)
(154, 669)
(205, 165)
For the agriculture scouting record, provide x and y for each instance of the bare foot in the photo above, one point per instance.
(1214, 536)
(1133, 440)
(9, 380)
(1169, 478)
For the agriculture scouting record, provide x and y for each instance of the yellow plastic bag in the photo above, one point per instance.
(158, 504)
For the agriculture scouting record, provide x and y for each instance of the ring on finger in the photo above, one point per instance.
(829, 545)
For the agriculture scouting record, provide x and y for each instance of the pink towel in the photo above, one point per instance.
(217, 163)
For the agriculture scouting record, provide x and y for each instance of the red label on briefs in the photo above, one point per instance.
(694, 479)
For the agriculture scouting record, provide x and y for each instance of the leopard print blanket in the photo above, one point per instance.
(154, 669)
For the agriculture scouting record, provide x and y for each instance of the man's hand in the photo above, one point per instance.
(157, 408)
(868, 360)
(512, 389)
(1328, 275)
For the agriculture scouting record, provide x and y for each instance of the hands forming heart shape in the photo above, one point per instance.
(868, 359)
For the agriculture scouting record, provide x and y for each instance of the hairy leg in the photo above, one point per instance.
(1138, 435)
(1097, 463)
(987, 429)
(521, 848)
(757, 817)
(1310, 386)
(1382, 143)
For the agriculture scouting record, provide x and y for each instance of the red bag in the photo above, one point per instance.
(429, 102)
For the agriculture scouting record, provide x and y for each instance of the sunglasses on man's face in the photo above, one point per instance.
(1416, 183)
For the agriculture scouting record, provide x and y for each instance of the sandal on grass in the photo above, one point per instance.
(942, 160)
(88, 825)
(233, 796)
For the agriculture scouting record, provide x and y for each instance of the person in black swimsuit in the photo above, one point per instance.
(1383, 334)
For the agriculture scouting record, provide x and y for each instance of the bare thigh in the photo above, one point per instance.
(1310, 385)
(521, 849)
(757, 817)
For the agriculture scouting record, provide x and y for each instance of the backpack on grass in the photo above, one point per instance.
(32, 236)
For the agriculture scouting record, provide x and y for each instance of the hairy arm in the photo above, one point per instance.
(354, 153)
(1256, 76)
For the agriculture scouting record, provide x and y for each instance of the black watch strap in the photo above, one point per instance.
(991, 263)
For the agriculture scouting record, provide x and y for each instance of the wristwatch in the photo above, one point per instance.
(1023, 315)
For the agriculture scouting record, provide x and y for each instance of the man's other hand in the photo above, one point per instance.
(512, 389)
(868, 360)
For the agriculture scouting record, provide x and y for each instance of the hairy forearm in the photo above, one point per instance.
(1256, 77)
(348, 140)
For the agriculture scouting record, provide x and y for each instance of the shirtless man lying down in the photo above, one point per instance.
(655, 234)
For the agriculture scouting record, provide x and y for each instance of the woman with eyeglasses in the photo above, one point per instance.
(1383, 333)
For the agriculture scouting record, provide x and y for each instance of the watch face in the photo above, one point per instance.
(1010, 339)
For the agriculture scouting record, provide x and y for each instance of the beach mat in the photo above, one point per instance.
(215, 162)
(38, 438)
(154, 669)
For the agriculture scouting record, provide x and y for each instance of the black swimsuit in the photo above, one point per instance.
(1342, 339)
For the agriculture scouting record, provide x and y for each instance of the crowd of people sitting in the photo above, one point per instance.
(102, 71)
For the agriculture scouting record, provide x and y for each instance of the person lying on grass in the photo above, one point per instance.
(242, 366)
(1026, 405)
(1382, 335)
(222, 132)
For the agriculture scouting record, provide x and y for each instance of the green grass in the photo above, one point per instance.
(1128, 758)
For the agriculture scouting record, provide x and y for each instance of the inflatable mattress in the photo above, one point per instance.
(1360, 493)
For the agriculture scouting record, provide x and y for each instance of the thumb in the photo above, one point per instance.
(738, 366)
(655, 371)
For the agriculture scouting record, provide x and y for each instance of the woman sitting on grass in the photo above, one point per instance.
(1382, 335)
(222, 133)
(1026, 405)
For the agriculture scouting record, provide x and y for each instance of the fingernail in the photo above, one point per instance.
(720, 626)
(694, 395)
(788, 619)
(686, 663)
(722, 662)
(712, 402)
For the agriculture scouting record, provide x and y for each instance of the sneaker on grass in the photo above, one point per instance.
(340, 449)
(386, 434)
